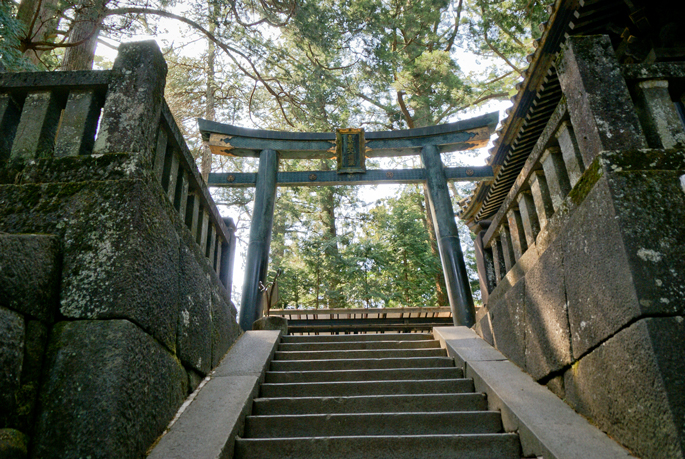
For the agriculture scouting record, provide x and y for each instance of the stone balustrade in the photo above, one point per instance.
(582, 265)
(556, 165)
(61, 114)
(115, 264)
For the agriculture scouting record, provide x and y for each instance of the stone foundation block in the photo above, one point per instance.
(121, 258)
(633, 387)
(650, 207)
(109, 391)
(12, 337)
(599, 285)
(195, 321)
(547, 335)
(225, 328)
(29, 274)
(508, 324)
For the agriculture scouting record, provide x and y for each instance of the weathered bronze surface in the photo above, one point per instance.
(350, 151)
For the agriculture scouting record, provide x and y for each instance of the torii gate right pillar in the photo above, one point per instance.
(447, 235)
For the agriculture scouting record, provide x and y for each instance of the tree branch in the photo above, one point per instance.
(405, 111)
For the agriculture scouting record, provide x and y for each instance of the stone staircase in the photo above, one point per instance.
(370, 396)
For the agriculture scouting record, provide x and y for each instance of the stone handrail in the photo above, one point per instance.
(61, 114)
(557, 164)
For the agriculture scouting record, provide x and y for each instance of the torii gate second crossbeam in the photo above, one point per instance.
(351, 147)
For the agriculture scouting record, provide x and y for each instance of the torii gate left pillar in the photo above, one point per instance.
(260, 238)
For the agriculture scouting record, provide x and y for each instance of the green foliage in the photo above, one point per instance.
(382, 257)
(11, 31)
(377, 64)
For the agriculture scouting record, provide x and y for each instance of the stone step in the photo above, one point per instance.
(350, 345)
(327, 425)
(363, 375)
(348, 388)
(356, 364)
(370, 404)
(477, 446)
(366, 337)
(358, 354)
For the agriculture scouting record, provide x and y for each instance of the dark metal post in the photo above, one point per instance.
(453, 266)
(228, 257)
(260, 237)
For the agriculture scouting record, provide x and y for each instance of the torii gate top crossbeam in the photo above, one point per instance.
(224, 139)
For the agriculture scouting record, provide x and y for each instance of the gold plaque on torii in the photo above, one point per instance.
(350, 147)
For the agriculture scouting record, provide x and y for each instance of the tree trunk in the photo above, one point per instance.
(327, 200)
(40, 20)
(86, 28)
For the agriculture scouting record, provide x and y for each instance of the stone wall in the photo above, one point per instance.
(588, 297)
(113, 299)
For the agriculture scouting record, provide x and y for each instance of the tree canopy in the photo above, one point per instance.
(311, 65)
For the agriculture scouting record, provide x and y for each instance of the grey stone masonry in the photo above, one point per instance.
(84, 409)
(597, 315)
(12, 338)
(541, 197)
(79, 122)
(498, 259)
(657, 113)
(570, 152)
(547, 427)
(160, 153)
(529, 217)
(96, 242)
(35, 135)
(597, 96)
(558, 183)
(516, 231)
(485, 264)
(30, 274)
(215, 414)
(642, 361)
(507, 249)
(130, 117)
(9, 117)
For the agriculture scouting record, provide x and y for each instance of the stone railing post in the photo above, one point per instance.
(529, 217)
(507, 249)
(599, 103)
(79, 123)
(37, 126)
(485, 264)
(498, 259)
(130, 117)
(658, 115)
(558, 182)
(570, 152)
(518, 236)
(539, 190)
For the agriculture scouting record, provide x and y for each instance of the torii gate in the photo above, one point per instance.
(351, 147)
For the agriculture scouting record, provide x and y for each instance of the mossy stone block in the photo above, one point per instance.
(121, 259)
(109, 390)
(29, 274)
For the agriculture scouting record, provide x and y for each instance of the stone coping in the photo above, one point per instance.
(547, 426)
(208, 422)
